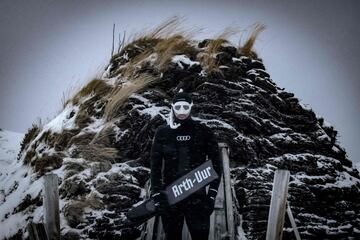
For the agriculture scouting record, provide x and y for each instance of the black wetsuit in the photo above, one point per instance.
(174, 153)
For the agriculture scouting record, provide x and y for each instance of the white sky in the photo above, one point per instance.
(310, 48)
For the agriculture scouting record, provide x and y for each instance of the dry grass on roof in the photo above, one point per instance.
(247, 48)
(97, 152)
(74, 210)
(166, 40)
(96, 86)
(128, 70)
(171, 46)
(148, 39)
(29, 136)
(207, 58)
(121, 94)
(170, 27)
(104, 135)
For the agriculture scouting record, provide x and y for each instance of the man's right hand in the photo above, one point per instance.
(161, 202)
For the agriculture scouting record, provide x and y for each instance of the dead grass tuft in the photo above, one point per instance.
(48, 163)
(171, 46)
(207, 58)
(104, 135)
(75, 166)
(61, 140)
(121, 94)
(97, 153)
(29, 136)
(169, 27)
(165, 40)
(246, 49)
(30, 154)
(97, 87)
(82, 139)
(73, 211)
(83, 119)
(129, 70)
(72, 168)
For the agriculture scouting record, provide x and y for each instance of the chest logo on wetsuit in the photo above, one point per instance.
(183, 138)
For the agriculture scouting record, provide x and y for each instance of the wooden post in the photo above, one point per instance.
(278, 205)
(36, 231)
(218, 218)
(227, 191)
(292, 220)
(51, 206)
(148, 230)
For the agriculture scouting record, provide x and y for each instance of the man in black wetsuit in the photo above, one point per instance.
(177, 148)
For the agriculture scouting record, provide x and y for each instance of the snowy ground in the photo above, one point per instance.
(12, 173)
(9, 147)
(357, 165)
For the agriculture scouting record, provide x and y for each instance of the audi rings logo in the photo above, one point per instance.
(183, 138)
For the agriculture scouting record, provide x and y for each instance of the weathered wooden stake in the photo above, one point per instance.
(51, 206)
(278, 205)
(292, 220)
(227, 190)
(36, 231)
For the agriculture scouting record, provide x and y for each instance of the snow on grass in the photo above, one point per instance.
(240, 59)
(203, 73)
(63, 121)
(234, 59)
(183, 59)
(154, 111)
(151, 58)
(96, 125)
(275, 126)
(357, 166)
(281, 136)
(149, 108)
(253, 71)
(290, 138)
(314, 217)
(322, 161)
(119, 133)
(305, 106)
(215, 123)
(344, 180)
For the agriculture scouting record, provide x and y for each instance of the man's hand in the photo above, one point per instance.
(161, 202)
(210, 201)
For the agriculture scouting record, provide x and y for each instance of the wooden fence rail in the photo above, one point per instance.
(279, 206)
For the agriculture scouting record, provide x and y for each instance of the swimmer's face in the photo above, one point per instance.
(182, 109)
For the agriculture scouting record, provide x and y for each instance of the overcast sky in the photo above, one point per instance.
(310, 48)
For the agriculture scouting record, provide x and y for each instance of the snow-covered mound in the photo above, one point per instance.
(9, 148)
(99, 144)
(12, 172)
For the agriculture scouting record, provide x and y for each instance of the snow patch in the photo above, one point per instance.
(344, 180)
(64, 121)
(214, 123)
(16, 182)
(183, 59)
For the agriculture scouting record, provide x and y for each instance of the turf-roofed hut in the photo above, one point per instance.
(99, 144)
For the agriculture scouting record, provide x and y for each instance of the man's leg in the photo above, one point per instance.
(197, 221)
(172, 222)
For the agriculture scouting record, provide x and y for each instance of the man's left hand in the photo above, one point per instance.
(210, 201)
